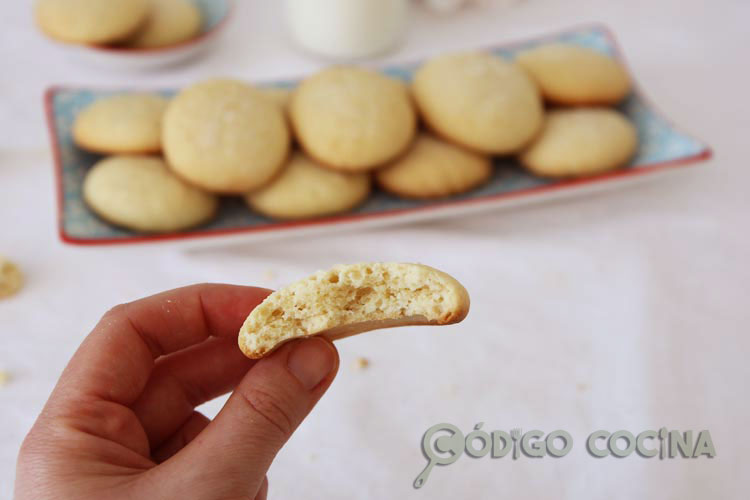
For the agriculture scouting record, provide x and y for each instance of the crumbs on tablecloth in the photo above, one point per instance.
(11, 279)
(361, 363)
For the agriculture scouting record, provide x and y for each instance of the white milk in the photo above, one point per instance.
(347, 29)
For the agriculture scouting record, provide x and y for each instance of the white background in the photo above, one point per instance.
(619, 311)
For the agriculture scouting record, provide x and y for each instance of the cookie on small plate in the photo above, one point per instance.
(352, 119)
(579, 142)
(170, 22)
(434, 169)
(304, 189)
(574, 75)
(121, 124)
(225, 136)
(479, 101)
(141, 193)
(91, 21)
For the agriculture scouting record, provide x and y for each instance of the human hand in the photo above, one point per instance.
(121, 421)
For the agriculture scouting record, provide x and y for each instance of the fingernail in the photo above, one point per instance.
(311, 361)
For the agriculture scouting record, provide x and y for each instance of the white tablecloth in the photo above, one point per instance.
(626, 310)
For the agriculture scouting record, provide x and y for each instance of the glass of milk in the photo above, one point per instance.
(347, 29)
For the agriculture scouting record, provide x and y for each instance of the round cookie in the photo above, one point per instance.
(141, 193)
(91, 21)
(434, 169)
(580, 142)
(575, 75)
(170, 22)
(305, 189)
(225, 136)
(121, 124)
(479, 101)
(352, 119)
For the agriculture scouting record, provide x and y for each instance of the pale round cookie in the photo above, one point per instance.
(305, 189)
(141, 193)
(433, 169)
(91, 21)
(351, 118)
(225, 136)
(11, 279)
(170, 22)
(581, 141)
(479, 101)
(121, 124)
(574, 75)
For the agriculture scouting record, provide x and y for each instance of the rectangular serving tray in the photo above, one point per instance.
(662, 148)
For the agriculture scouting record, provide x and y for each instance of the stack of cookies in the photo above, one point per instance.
(138, 24)
(317, 150)
(582, 135)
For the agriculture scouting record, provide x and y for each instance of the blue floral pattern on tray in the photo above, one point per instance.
(660, 142)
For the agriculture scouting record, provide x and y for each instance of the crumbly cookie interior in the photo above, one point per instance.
(370, 295)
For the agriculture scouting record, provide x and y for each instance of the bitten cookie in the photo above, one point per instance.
(434, 169)
(352, 299)
(91, 21)
(304, 189)
(121, 124)
(169, 22)
(140, 193)
(575, 75)
(225, 136)
(478, 101)
(352, 119)
(581, 141)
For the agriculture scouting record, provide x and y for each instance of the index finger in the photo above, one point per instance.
(115, 361)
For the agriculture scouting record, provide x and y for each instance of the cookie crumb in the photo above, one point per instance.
(361, 363)
(11, 279)
(4, 377)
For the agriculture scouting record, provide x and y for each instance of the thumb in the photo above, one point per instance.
(229, 459)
